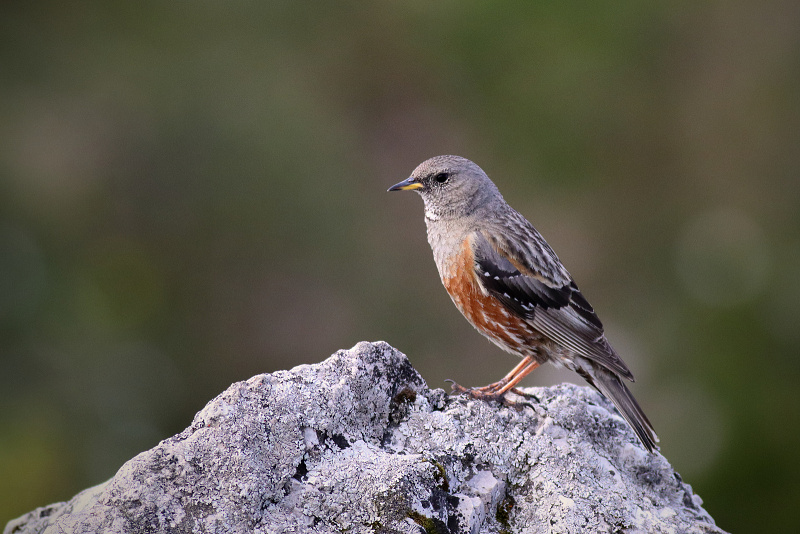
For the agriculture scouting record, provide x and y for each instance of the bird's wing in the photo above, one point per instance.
(521, 270)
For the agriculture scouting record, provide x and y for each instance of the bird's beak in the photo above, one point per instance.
(405, 185)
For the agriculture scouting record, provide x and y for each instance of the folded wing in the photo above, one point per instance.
(522, 272)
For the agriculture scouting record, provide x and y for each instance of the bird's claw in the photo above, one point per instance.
(486, 393)
(457, 389)
(489, 393)
(524, 395)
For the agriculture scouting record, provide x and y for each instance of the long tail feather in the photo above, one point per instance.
(610, 385)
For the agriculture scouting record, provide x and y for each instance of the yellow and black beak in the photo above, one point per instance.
(406, 185)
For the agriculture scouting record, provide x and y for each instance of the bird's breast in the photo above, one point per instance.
(487, 314)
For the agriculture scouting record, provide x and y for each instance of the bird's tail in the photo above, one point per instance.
(611, 386)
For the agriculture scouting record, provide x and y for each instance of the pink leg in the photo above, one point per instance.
(498, 389)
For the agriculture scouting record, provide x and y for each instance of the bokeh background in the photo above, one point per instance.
(192, 193)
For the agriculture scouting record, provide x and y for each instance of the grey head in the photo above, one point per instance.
(451, 187)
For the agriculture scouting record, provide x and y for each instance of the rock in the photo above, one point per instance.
(358, 443)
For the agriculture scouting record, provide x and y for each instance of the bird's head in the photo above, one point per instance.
(450, 186)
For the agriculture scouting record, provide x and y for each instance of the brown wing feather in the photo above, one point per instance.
(548, 299)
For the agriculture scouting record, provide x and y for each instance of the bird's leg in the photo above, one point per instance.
(458, 389)
(492, 388)
(518, 377)
(498, 389)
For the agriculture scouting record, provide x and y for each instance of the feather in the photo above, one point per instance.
(614, 390)
(537, 287)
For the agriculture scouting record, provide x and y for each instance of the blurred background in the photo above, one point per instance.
(194, 193)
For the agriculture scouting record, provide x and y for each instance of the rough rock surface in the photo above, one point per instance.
(358, 443)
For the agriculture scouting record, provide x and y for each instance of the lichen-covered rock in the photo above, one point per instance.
(358, 443)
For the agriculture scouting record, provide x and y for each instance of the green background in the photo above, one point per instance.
(192, 193)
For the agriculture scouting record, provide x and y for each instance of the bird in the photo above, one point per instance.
(509, 284)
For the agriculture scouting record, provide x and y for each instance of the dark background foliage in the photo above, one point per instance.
(194, 192)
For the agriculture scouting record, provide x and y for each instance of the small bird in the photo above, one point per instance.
(510, 285)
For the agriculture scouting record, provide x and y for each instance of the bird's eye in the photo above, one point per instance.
(441, 177)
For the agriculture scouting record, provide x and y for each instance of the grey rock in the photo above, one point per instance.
(358, 443)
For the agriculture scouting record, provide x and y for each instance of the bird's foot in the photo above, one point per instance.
(486, 393)
(529, 396)
(491, 393)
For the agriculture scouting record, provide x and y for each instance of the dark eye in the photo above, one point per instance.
(441, 177)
